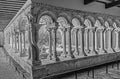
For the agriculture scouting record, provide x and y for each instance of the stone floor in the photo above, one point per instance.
(6, 72)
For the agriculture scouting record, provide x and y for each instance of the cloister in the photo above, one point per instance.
(43, 40)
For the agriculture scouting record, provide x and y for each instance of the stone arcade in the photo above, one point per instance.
(43, 40)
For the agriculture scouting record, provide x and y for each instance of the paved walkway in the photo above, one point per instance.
(6, 72)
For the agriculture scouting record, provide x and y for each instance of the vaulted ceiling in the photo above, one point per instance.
(8, 9)
(108, 3)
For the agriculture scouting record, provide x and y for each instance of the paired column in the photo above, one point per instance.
(92, 41)
(99, 40)
(64, 54)
(86, 40)
(70, 51)
(116, 40)
(109, 40)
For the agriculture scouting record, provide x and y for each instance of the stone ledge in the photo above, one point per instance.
(73, 65)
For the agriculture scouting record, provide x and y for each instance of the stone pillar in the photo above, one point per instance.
(110, 50)
(105, 34)
(70, 51)
(54, 44)
(91, 41)
(100, 41)
(116, 41)
(15, 44)
(86, 41)
(76, 53)
(101, 50)
(82, 41)
(64, 41)
(21, 44)
(50, 43)
(33, 49)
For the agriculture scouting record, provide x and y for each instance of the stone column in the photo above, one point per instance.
(116, 41)
(76, 53)
(64, 41)
(82, 41)
(101, 50)
(34, 50)
(21, 44)
(15, 44)
(91, 41)
(105, 34)
(100, 47)
(110, 50)
(70, 52)
(86, 41)
(50, 43)
(54, 44)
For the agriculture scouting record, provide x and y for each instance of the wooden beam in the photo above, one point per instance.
(112, 4)
(88, 1)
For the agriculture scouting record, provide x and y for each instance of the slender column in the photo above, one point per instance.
(54, 44)
(76, 41)
(82, 41)
(91, 41)
(12, 40)
(21, 44)
(86, 41)
(116, 41)
(70, 52)
(105, 33)
(50, 43)
(64, 41)
(110, 50)
(101, 42)
(15, 44)
(94, 40)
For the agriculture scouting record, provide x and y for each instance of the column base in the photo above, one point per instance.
(117, 49)
(91, 53)
(87, 51)
(64, 57)
(110, 50)
(78, 54)
(101, 51)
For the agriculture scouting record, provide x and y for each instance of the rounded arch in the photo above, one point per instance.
(109, 23)
(80, 18)
(88, 23)
(77, 20)
(90, 20)
(67, 17)
(62, 21)
(47, 13)
(117, 22)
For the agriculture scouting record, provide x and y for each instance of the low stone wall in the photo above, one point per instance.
(73, 65)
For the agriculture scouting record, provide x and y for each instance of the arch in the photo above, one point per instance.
(80, 18)
(88, 23)
(48, 13)
(117, 23)
(91, 19)
(66, 16)
(99, 22)
(62, 21)
(109, 23)
(76, 22)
